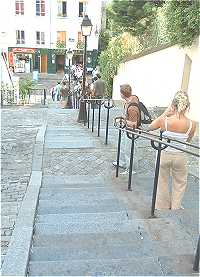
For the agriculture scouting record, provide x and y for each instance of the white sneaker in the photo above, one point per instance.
(125, 172)
(120, 165)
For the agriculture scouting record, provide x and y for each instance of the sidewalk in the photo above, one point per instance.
(87, 223)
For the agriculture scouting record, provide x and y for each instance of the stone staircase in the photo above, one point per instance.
(89, 225)
(82, 229)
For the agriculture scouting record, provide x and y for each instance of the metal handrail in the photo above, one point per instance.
(91, 102)
(150, 137)
(133, 134)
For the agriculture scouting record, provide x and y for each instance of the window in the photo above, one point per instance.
(61, 37)
(19, 7)
(80, 37)
(62, 8)
(82, 8)
(40, 38)
(40, 7)
(20, 37)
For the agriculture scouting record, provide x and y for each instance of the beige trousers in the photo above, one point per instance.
(174, 164)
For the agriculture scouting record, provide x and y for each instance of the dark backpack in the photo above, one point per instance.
(144, 115)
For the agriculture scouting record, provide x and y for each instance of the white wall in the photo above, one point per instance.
(156, 77)
(194, 82)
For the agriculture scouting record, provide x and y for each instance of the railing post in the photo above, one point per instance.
(1, 98)
(45, 95)
(88, 114)
(196, 259)
(118, 149)
(93, 104)
(107, 121)
(99, 118)
(85, 117)
(131, 162)
(157, 169)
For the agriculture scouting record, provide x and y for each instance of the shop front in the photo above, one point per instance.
(21, 59)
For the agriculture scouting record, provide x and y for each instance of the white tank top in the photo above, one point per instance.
(175, 135)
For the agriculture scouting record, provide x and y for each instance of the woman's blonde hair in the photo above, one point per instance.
(181, 102)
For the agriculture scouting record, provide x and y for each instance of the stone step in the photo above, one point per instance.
(82, 217)
(137, 248)
(85, 240)
(71, 144)
(115, 267)
(64, 207)
(158, 229)
(73, 180)
(84, 227)
(72, 195)
(68, 128)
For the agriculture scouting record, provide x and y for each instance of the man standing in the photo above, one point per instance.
(99, 87)
(131, 117)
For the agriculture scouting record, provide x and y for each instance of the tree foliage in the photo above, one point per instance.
(131, 16)
(118, 48)
(134, 26)
(183, 21)
(25, 85)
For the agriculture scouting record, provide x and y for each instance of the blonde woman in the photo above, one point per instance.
(175, 124)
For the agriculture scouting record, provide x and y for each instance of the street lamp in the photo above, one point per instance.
(69, 55)
(86, 28)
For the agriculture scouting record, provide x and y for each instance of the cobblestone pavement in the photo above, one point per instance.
(19, 126)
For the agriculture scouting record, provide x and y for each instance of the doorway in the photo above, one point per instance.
(60, 63)
(43, 63)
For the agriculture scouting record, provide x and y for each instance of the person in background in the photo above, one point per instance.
(98, 87)
(131, 117)
(94, 74)
(176, 125)
(57, 91)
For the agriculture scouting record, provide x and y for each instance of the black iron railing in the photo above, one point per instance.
(8, 97)
(92, 106)
(159, 143)
(37, 93)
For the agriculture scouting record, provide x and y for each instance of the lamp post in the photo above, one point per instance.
(86, 28)
(69, 55)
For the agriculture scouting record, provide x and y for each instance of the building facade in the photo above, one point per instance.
(38, 33)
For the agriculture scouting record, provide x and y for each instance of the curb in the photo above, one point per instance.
(17, 257)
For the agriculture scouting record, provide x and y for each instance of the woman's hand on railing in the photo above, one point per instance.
(120, 121)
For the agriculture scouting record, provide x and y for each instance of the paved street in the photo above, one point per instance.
(19, 127)
(85, 209)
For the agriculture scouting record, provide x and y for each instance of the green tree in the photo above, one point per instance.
(183, 21)
(131, 16)
(118, 49)
(25, 85)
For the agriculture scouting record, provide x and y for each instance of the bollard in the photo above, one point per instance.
(159, 148)
(196, 259)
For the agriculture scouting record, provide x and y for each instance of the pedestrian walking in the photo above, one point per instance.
(57, 91)
(176, 125)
